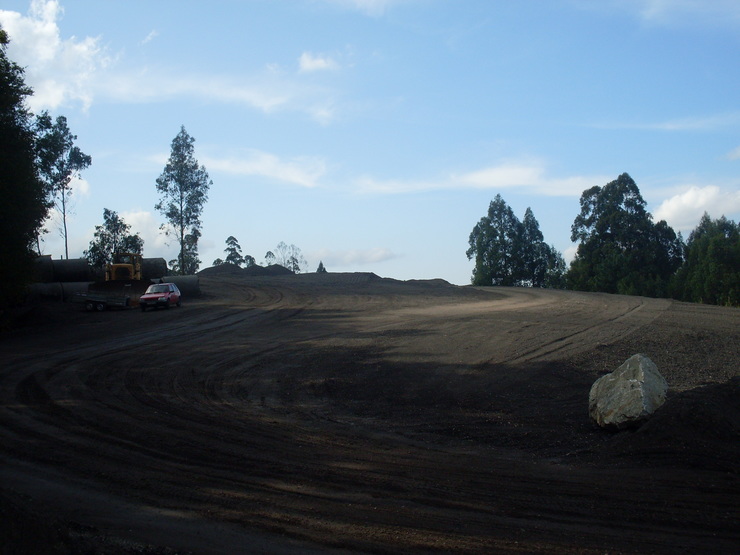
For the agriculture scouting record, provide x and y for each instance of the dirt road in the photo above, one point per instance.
(344, 413)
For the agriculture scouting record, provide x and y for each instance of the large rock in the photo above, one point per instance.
(628, 396)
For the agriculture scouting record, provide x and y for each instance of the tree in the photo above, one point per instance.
(711, 271)
(183, 188)
(542, 264)
(288, 256)
(493, 242)
(111, 238)
(59, 162)
(510, 252)
(188, 262)
(621, 250)
(234, 255)
(321, 269)
(233, 252)
(23, 207)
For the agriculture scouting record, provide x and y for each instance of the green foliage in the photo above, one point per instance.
(711, 272)
(23, 207)
(233, 251)
(621, 250)
(321, 269)
(510, 252)
(59, 162)
(234, 255)
(111, 238)
(183, 187)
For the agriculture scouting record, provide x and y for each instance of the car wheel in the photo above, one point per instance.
(89, 306)
(100, 307)
(179, 302)
(143, 307)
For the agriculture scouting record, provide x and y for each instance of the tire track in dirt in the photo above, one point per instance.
(606, 331)
(241, 424)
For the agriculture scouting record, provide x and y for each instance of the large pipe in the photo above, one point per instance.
(48, 270)
(189, 286)
(43, 271)
(45, 291)
(153, 268)
(74, 269)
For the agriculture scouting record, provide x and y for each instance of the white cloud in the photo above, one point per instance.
(503, 176)
(80, 187)
(672, 13)
(269, 92)
(734, 154)
(686, 11)
(303, 170)
(373, 8)
(155, 86)
(150, 37)
(531, 177)
(309, 62)
(684, 210)
(62, 71)
(694, 123)
(59, 71)
(352, 257)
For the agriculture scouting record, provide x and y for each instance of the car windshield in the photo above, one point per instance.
(157, 289)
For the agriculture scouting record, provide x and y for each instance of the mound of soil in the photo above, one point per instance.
(223, 270)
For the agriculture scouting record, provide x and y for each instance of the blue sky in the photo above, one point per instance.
(372, 134)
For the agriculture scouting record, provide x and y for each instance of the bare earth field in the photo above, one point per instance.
(344, 413)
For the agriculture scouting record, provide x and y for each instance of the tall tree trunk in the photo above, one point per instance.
(64, 225)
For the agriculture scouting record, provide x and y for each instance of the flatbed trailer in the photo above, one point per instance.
(97, 301)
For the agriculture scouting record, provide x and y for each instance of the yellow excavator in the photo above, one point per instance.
(125, 266)
(123, 284)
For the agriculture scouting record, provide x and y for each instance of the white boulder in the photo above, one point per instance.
(629, 395)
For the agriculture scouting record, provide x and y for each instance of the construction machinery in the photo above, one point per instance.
(123, 285)
(126, 266)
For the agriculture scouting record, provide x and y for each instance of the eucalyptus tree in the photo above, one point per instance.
(233, 252)
(288, 256)
(59, 163)
(495, 245)
(711, 271)
(620, 249)
(511, 252)
(111, 238)
(183, 189)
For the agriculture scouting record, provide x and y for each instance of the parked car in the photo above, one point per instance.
(160, 294)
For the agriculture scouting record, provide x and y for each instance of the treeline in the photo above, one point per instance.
(620, 250)
(287, 256)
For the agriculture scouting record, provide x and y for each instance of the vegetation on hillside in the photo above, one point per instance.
(620, 250)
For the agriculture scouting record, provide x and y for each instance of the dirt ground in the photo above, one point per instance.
(345, 413)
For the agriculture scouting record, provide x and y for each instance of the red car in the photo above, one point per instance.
(160, 294)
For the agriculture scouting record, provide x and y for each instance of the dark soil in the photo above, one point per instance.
(345, 413)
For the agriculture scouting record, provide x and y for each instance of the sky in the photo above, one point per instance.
(373, 134)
